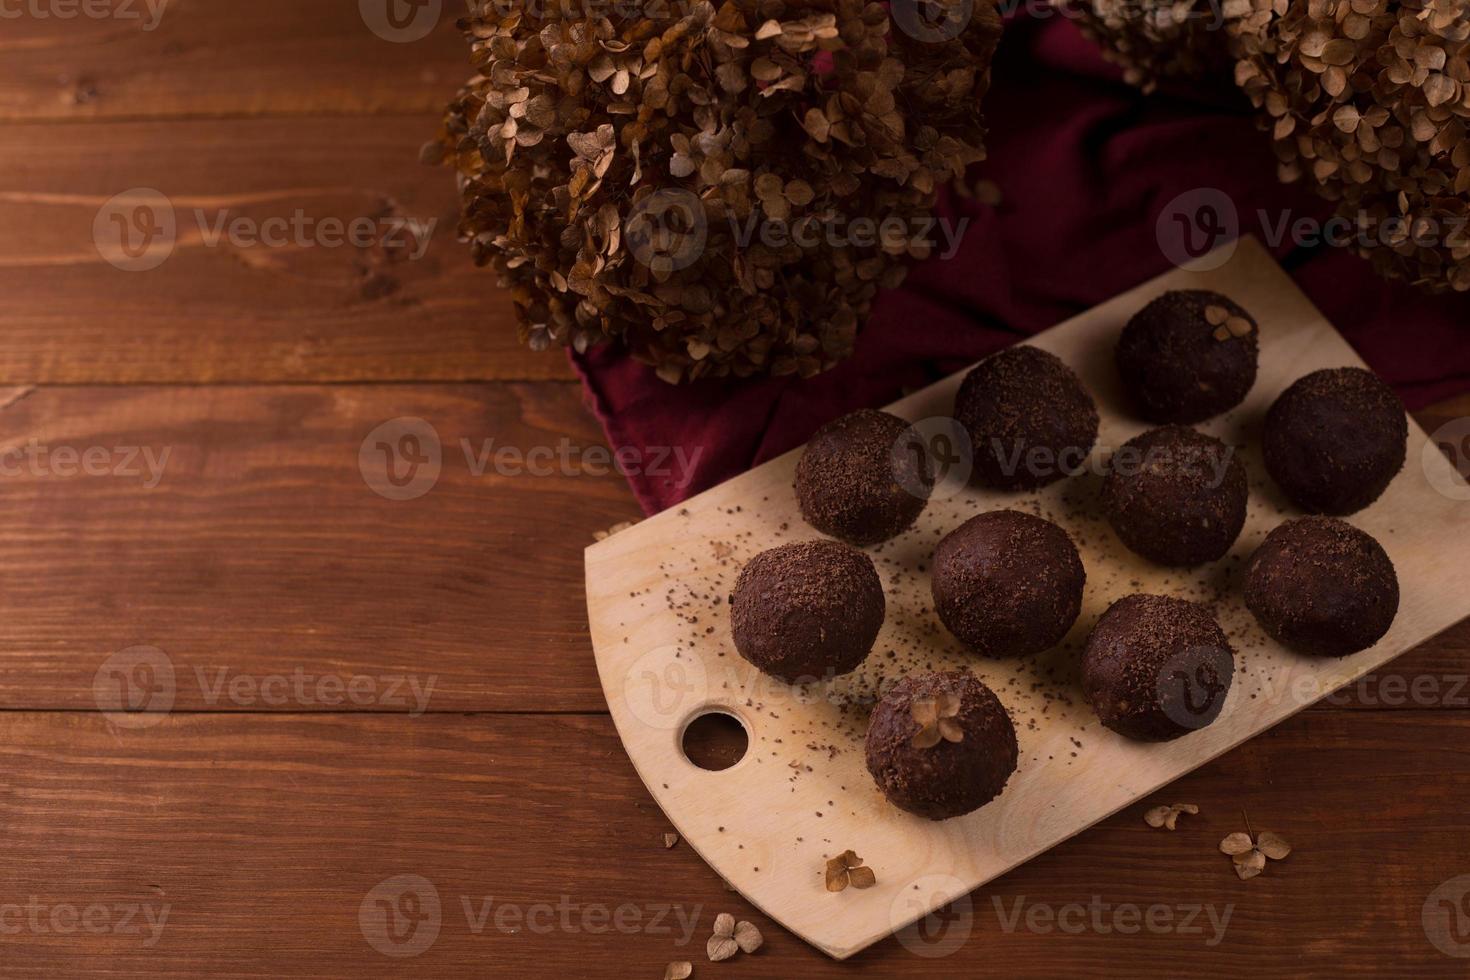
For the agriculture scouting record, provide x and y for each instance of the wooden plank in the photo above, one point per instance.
(258, 281)
(262, 551)
(160, 58)
(263, 836)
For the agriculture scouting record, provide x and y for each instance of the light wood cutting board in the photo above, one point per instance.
(657, 602)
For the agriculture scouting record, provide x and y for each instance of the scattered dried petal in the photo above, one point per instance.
(1237, 843)
(721, 948)
(1274, 846)
(1250, 864)
(748, 937)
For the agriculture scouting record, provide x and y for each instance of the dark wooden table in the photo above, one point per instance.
(295, 622)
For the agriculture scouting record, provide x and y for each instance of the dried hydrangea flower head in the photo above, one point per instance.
(1370, 101)
(620, 164)
(1366, 100)
(1155, 39)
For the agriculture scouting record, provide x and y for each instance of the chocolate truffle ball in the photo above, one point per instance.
(1176, 496)
(863, 478)
(1188, 356)
(947, 778)
(1008, 584)
(1030, 420)
(1156, 668)
(1321, 586)
(1335, 440)
(807, 610)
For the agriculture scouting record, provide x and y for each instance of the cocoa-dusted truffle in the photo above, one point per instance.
(1008, 584)
(1321, 586)
(864, 477)
(941, 745)
(807, 610)
(1030, 420)
(1176, 496)
(1188, 356)
(1335, 440)
(1156, 667)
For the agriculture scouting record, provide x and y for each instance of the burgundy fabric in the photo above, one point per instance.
(1086, 165)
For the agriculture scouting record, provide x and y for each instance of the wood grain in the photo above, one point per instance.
(216, 58)
(652, 590)
(286, 306)
(262, 550)
(263, 835)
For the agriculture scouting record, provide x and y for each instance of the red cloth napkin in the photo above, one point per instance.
(1086, 166)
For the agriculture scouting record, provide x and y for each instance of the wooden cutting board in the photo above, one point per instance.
(657, 597)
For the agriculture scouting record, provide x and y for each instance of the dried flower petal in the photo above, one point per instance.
(748, 937)
(1237, 843)
(679, 970)
(670, 840)
(1168, 816)
(837, 874)
(1274, 846)
(724, 925)
(1250, 864)
(720, 948)
(862, 877)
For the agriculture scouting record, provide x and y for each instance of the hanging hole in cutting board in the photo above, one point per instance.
(715, 741)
